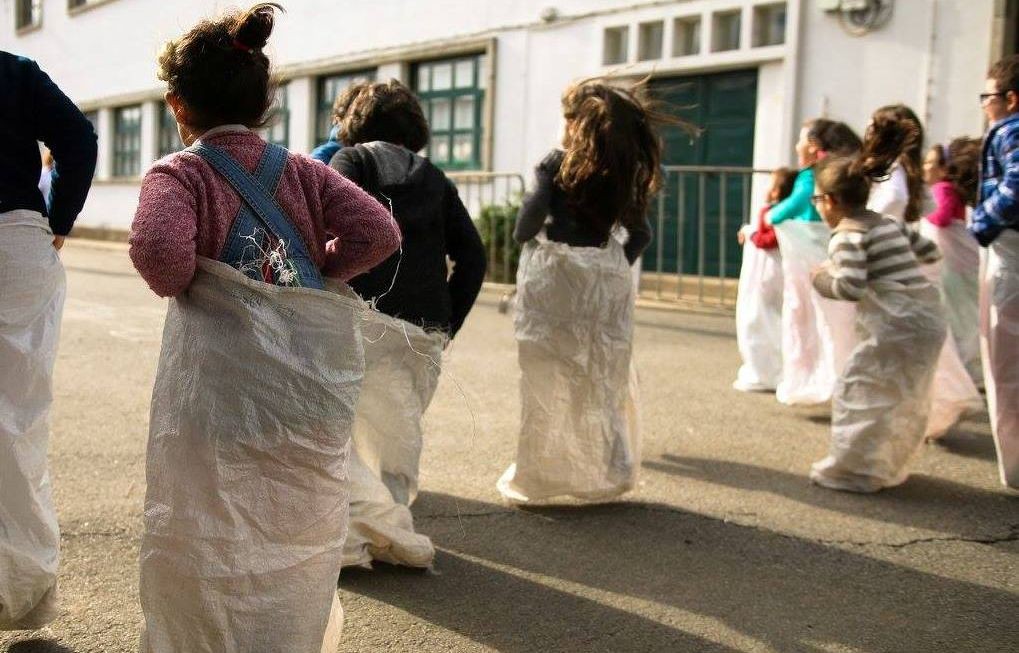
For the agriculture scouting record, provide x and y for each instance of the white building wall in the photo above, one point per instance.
(105, 57)
(932, 56)
(111, 50)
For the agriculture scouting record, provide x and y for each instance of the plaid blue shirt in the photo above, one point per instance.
(998, 208)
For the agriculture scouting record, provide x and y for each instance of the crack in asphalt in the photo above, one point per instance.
(82, 534)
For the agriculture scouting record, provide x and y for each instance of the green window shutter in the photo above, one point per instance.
(127, 141)
(725, 106)
(452, 94)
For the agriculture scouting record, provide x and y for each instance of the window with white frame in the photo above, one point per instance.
(278, 131)
(725, 30)
(650, 37)
(686, 36)
(452, 94)
(769, 24)
(169, 136)
(27, 14)
(616, 45)
(329, 88)
(127, 141)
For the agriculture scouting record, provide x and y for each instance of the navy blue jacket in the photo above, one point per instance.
(326, 151)
(33, 109)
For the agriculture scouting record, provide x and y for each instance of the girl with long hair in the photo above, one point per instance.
(575, 297)
(952, 173)
(815, 334)
(893, 143)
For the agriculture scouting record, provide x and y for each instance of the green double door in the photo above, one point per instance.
(702, 208)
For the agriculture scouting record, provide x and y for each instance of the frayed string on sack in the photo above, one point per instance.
(276, 258)
(374, 301)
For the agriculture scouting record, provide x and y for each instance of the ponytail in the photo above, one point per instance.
(895, 136)
(219, 71)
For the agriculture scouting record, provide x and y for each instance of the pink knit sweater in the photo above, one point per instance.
(186, 210)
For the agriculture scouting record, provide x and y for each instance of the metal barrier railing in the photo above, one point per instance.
(493, 200)
(694, 255)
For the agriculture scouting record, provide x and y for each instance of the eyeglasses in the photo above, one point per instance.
(817, 199)
(984, 97)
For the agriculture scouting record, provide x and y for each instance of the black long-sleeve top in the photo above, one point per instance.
(546, 206)
(434, 224)
(32, 109)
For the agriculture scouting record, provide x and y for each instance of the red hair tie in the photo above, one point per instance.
(240, 46)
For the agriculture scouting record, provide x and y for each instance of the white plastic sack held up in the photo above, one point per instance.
(246, 507)
(31, 302)
(817, 333)
(579, 432)
(759, 318)
(402, 364)
(999, 327)
(953, 393)
(879, 410)
(960, 289)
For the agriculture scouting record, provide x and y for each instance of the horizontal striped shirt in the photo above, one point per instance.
(873, 249)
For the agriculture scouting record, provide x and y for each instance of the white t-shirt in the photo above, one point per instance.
(890, 196)
(45, 181)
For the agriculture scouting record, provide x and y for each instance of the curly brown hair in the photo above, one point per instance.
(895, 135)
(219, 71)
(1005, 74)
(962, 166)
(612, 165)
(381, 111)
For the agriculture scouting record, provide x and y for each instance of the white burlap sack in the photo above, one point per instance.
(960, 290)
(246, 507)
(817, 333)
(953, 392)
(32, 290)
(579, 433)
(759, 318)
(879, 410)
(999, 329)
(402, 364)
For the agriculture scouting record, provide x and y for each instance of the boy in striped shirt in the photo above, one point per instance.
(882, 398)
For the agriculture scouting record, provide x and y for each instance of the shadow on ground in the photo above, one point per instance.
(38, 646)
(927, 502)
(970, 444)
(574, 578)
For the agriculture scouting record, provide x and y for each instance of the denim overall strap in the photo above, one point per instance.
(257, 194)
(243, 241)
